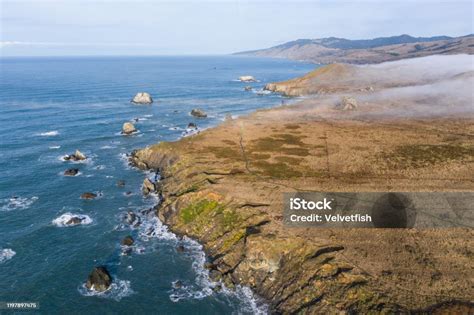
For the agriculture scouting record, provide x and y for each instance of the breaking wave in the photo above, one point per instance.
(48, 133)
(63, 220)
(117, 290)
(6, 254)
(16, 203)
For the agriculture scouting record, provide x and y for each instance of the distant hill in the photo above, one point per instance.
(362, 51)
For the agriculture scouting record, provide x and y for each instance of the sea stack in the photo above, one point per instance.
(247, 78)
(99, 279)
(142, 98)
(198, 113)
(128, 128)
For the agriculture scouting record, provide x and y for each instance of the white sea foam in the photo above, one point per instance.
(117, 290)
(48, 133)
(262, 92)
(55, 147)
(16, 203)
(6, 254)
(62, 220)
(106, 147)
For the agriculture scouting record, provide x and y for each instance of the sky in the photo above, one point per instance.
(200, 27)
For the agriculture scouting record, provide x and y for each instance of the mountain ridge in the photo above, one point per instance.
(380, 49)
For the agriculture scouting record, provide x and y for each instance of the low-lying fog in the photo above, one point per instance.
(433, 86)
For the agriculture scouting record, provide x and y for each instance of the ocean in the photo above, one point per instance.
(49, 107)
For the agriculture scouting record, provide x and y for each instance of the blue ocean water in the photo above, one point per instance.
(49, 107)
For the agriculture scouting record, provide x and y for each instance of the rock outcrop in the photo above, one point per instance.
(128, 241)
(77, 156)
(199, 113)
(142, 98)
(99, 279)
(148, 186)
(75, 221)
(348, 103)
(247, 78)
(71, 172)
(88, 195)
(128, 128)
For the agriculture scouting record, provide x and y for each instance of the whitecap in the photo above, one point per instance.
(62, 220)
(149, 115)
(16, 203)
(6, 254)
(55, 147)
(117, 290)
(48, 133)
(106, 147)
(153, 228)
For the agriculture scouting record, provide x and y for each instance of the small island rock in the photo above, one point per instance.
(77, 156)
(128, 241)
(128, 128)
(74, 221)
(88, 195)
(99, 279)
(198, 113)
(142, 98)
(247, 78)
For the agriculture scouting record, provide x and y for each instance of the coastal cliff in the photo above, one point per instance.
(224, 188)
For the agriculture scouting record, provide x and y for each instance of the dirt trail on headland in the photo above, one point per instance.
(224, 187)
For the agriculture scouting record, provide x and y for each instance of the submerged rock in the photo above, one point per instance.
(148, 186)
(99, 279)
(248, 88)
(348, 103)
(121, 183)
(192, 125)
(142, 98)
(88, 195)
(132, 219)
(198, 113)
(247, 78)
(71, 172)
(128, 128)
(128, 241)
(180, 249)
